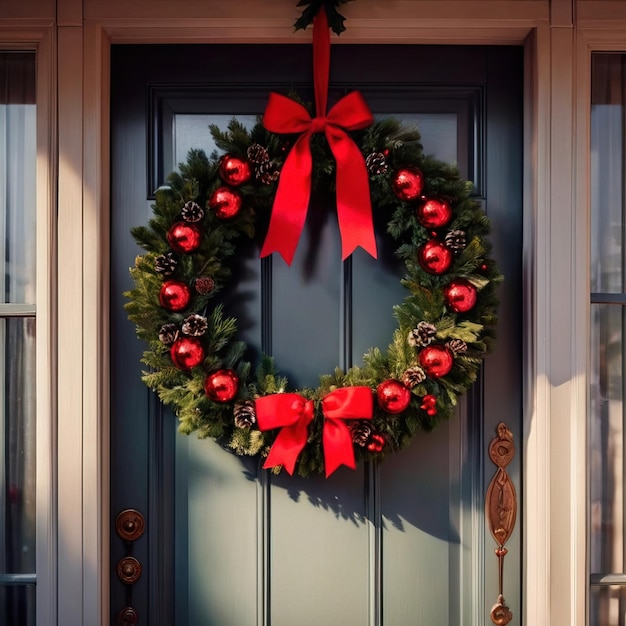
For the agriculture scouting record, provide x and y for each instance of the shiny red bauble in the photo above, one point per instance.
(234, 171)
(225, 203)
(174, 295)
(376, 443)
(434, 213)
(221, 385)
(436, 360)
(187, 352)
(393, 397)
(183, 237)
(460, 295)
(435, 257)
(407, 183)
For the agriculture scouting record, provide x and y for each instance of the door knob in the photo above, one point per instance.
(130, 524)
(127, 617)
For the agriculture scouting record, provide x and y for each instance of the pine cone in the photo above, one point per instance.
(376, 163)
(256, 153)
(195, 325)
(168, 334)
(204, 285)
(456, 240)
(245, 414)
(192, 212)
(361, 432)
(413, 376)
(267, 172)
(166, 264)
(422, 335)
(457, 345)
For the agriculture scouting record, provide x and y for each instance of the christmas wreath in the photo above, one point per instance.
(445, 324)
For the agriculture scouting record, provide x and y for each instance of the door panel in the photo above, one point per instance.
(226, 543)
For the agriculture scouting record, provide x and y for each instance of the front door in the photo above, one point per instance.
(226, 543)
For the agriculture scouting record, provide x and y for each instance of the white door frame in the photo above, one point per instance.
(555, 381)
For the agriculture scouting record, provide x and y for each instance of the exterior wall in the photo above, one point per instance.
(73, 39)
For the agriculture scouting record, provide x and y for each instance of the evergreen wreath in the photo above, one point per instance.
(445, 325)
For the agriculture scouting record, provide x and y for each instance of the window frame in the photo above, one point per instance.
(589, 41)
(39, 38)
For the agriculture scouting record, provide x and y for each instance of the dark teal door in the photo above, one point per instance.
(225, 543)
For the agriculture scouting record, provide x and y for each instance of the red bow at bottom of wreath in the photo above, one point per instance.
(293, 413)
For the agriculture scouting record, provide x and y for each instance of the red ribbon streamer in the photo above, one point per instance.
(293, 413)
(284, 115)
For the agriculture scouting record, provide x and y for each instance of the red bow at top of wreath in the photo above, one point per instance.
(284, 115)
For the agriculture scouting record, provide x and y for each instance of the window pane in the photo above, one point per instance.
(17, 455)
(438, 130)
(606, 439)
(17, 177)
(607, 606)
(607, 173)
(17, 605)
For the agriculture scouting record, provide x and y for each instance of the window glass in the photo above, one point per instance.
(17, 177)
(606, 439)
(17, 337)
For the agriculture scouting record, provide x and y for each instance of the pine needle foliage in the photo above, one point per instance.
(469, 335)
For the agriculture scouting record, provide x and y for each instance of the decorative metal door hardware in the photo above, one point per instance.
(501, 511)
(130, 525)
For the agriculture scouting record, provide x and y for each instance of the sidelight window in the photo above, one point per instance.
(17, 337)
(607, 423)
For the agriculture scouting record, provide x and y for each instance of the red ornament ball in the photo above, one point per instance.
(174, 295)
(187, 352)
(234, 171)
(435, 257)
(436, 360)
(460, 295)
(221, 385)
(393, 397)
(376, 443)
(225, 203)
(434, 213)
(407, 183)
(183, 237)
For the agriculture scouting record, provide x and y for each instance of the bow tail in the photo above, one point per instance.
(291, 202)
(354, 204)
(287, 448)
(338, 447)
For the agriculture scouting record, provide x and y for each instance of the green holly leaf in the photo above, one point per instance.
(313, 7)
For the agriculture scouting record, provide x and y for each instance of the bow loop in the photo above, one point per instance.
(351, 112)
(284, 115)
(292, 414)
(346, 403)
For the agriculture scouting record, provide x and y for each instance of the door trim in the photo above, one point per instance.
(91, 276)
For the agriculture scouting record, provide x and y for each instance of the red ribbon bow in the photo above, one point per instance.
(284, 115)
(292, 414)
